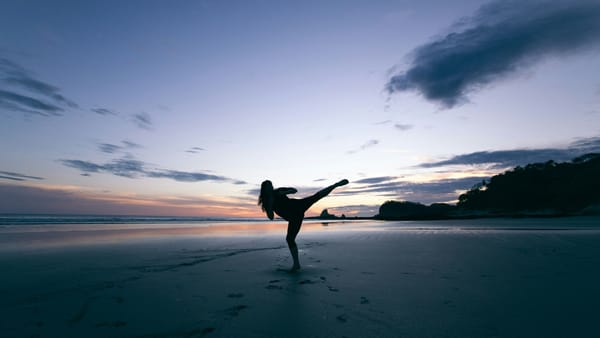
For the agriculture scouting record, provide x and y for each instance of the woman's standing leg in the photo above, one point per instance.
(290, 238)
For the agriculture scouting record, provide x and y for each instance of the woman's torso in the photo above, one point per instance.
(287, 208)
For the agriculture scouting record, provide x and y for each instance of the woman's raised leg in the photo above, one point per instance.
(309, 201)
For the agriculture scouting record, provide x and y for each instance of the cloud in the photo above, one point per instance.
(502, 159)
(195, 150)
(110, 148)
(9, 175)
(372, 180)
(24, 93)
(502, 38)
(142, 120)
(26, 104)
(366, 145)
(104, 111)
(403, 127)
(132, 168)
(131, 145)
(183, 176)
(587, 145)
(41, 88)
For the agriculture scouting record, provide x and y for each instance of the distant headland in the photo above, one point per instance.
(547, 189)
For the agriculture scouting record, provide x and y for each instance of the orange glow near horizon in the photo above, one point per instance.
(70, 199)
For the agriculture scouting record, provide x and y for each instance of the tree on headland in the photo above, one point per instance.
(405, 210)
(554, 188)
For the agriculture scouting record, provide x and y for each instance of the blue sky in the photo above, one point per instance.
(183, 108)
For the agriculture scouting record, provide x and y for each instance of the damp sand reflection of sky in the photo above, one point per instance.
(63, 235)
(31, 237)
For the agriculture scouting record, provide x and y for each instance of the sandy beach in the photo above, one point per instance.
(477, 278)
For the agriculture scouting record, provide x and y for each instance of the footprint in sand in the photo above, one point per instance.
(116, 323)
(273, 285)
(332, 289)
(364, 300)
(235, 310)
(306, 281)
(79, 315)
(206, 331)
(342, 318)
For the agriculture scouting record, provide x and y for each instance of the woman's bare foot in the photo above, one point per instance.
(294, 268)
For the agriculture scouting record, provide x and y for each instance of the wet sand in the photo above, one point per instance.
(421, 279)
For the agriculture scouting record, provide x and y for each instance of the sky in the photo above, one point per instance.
(183, 108)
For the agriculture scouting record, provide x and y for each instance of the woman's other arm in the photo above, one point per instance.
(287, 191)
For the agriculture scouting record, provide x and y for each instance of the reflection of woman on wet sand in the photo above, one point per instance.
(291, 209)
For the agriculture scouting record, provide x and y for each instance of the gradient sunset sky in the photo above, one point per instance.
(185, 107)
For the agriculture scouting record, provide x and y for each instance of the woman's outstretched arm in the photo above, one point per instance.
(286, 191)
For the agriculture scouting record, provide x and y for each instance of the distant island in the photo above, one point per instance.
(547, 189)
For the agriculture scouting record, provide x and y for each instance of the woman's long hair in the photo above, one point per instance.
(265, 199)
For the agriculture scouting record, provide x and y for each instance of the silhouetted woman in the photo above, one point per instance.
(291, 209)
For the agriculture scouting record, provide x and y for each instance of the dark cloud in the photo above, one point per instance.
(26, 104)
(195, 150)
(142, 120)
(183, 176)
(11, 178)
(500, 39)
(366, 145)
(131, 145)
(587, 145)
(85, 166)
(9, 175)
(132, 168)
(39, 87)
(110, 148)
(403, 127)
(103, 111)
(25, 94)
(372, 180)
(124, 167)
(502, 159)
